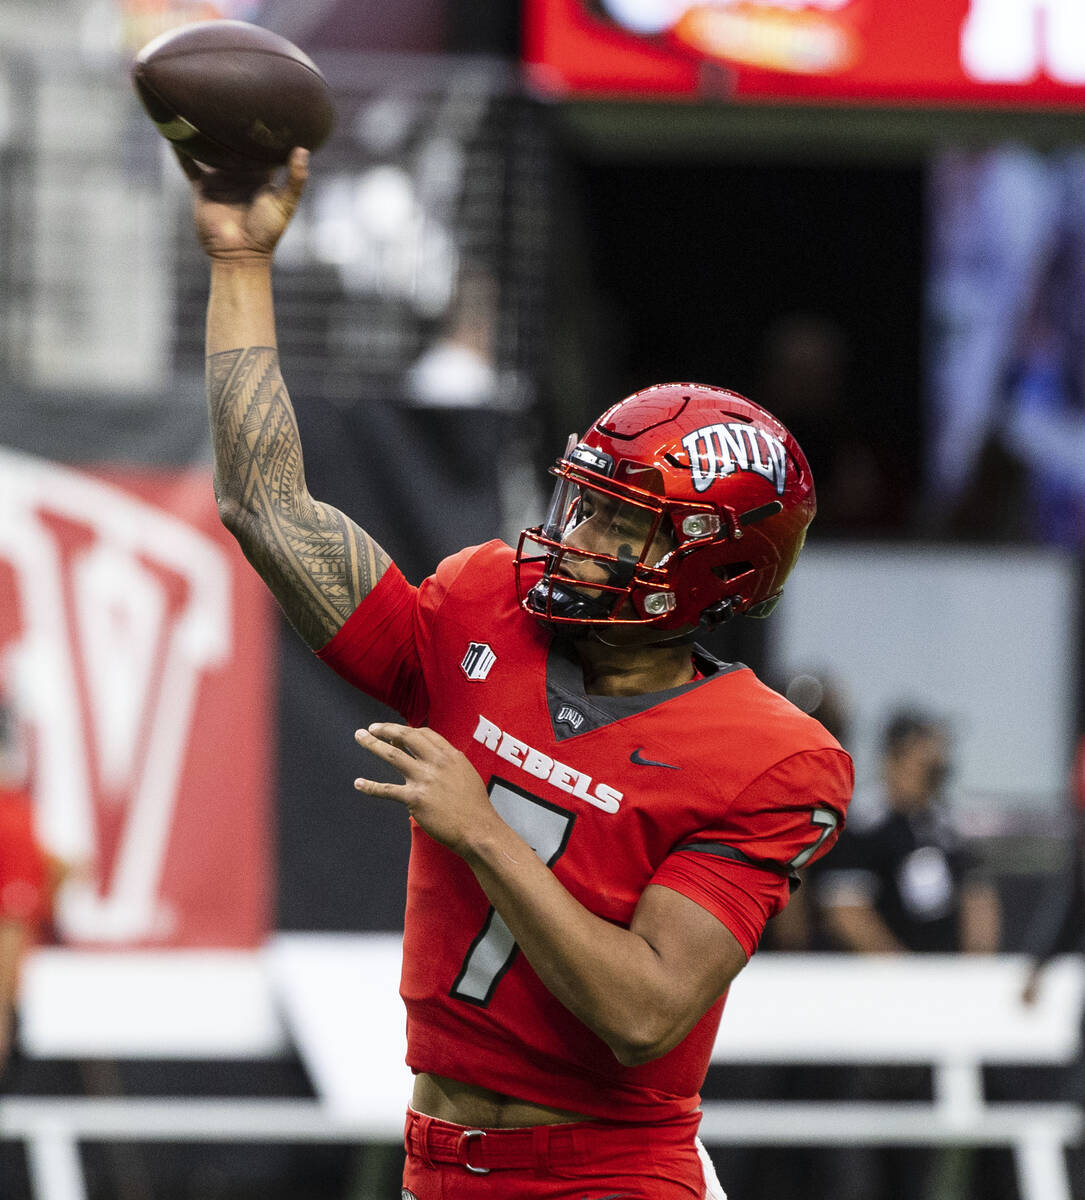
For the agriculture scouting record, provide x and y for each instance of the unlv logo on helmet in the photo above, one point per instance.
(716, 451)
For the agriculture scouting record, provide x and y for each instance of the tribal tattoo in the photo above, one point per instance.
(317, 562)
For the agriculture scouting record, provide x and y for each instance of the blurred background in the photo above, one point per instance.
(870, 217)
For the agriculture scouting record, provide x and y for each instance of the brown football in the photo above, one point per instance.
(233, 95)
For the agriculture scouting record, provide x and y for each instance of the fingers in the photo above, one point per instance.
(387, 753)
(297, 172)
(385, 747)
(234, 187)
(418, 742)
(384, 791)
(243, 187)
(402, 747)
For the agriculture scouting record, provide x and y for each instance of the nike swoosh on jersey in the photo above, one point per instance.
(636, 757)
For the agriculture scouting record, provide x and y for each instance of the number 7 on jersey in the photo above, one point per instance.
(546, 828)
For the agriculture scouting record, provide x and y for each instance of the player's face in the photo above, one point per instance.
(604, 525)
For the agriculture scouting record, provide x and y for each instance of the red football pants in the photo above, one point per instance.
(586, 1160)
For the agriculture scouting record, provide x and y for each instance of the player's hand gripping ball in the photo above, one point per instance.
(233, 95)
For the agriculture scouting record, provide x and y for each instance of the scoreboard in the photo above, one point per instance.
(1000, 53)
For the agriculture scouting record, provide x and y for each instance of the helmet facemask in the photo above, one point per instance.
(607, 545)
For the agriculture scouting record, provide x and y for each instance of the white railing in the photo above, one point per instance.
(334, 998)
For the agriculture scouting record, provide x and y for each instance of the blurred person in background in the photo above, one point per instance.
(563, 986)
(24, 882)
(904, 882)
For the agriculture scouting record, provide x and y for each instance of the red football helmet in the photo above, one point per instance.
(683, 505)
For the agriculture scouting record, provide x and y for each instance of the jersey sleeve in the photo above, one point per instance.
(742, 869)
(377, 649)
(741, 897)
(383, 647)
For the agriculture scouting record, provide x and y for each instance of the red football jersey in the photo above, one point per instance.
(718, 789)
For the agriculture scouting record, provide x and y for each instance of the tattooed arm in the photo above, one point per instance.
(317, 562)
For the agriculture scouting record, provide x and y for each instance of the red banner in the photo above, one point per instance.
(135, 642)
(1028, 53)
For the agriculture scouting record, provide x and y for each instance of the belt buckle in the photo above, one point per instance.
(462, 1148)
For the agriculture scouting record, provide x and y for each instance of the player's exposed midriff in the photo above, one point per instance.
(468, 1104)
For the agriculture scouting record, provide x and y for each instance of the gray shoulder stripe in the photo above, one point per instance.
(722, 850)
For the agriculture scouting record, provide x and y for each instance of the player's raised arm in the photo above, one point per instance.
(317, 562)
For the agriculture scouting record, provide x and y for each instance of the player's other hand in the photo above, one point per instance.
(241, 216)
(440, 789)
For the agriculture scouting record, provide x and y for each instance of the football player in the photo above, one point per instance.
(603, 815)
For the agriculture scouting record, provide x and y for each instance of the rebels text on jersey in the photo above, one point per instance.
(718, 789)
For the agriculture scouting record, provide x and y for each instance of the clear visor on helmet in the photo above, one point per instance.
(563, 505)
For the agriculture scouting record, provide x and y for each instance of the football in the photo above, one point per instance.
(233, 95)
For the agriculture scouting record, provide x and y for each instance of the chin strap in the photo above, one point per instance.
(548, 597)
(621, 573)
(563, 600)
(716, 614)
